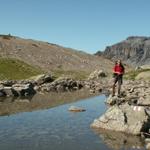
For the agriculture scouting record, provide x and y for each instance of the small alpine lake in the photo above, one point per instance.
(56, 128)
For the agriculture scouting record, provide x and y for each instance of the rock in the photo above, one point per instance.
(145, 66)
(2, 93)
(76, 109)
(92, 91)
(8, 82)
(148, 112)
(125, 118)
(147, 140)
(48, 87)
(9, 91)
(26, 81)
(138, 68)
(17, 90)
(133, 50)
(59, 85)
(43, 78)
(97, 74)
(131, 90)
(22, 101)
(94, 86)
(143, 75)
(148, 146)
(99, 89)
(112, 100)
(63, 84)
(61, 88)
(36, 88)
(24, 89)
(144, 101)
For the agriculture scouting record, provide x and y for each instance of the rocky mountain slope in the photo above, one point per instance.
(50, 57)
(134, 50)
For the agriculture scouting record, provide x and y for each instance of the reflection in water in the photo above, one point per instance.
(118, 141)
(12, 105)
(53, 129)
(57, 128)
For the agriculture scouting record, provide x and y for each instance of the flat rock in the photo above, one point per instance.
(76, 109)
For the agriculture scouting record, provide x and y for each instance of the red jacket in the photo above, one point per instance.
(118, 69)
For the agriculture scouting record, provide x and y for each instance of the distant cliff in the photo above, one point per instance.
(135, 50)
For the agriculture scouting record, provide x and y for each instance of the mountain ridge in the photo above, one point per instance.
(50, 57)
(134, 50)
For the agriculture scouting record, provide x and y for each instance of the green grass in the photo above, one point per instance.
(13, 69)
(78, 75)
(132, 74)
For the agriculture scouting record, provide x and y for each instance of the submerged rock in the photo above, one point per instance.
(76, 109)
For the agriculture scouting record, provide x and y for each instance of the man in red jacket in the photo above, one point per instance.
(118, 72)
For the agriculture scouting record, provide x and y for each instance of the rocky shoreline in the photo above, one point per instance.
(46, 83)
(129, 113)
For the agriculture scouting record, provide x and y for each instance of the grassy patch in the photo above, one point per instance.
(132, 74)
(79, 75)
(13, 69)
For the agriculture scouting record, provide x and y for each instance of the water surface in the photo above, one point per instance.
(58, 129)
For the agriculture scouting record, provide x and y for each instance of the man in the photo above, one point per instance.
(118, 72)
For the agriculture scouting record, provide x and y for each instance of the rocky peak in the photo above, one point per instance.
(135, 50)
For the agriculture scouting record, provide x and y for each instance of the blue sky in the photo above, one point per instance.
(88, 25)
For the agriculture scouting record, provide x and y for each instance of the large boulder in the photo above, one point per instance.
(145, 66)
(62, 84)
(23, 89)
(9, 91)
(143, 75)
(124, 118)
(97, 74)
(43, 78)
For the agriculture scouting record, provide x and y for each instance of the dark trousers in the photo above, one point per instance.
(119, 79)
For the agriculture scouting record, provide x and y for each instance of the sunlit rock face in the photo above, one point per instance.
(124, 118)
(135, 50)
